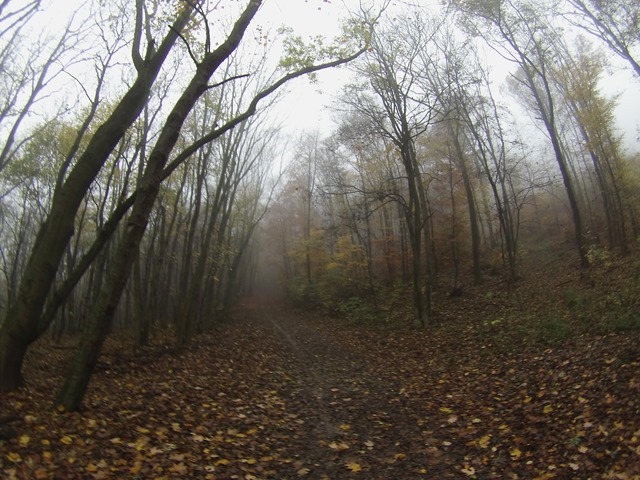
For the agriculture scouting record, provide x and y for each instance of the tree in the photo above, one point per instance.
(520, 32)
(102, 312)
(578, 77)
(450, 77)
(399, 108)
(615, 22)
(22, 323)
(484, 132)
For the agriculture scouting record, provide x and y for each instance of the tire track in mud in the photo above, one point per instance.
(354, 416)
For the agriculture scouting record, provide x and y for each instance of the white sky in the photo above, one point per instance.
(306, 105)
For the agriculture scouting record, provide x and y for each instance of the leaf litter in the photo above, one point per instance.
(279, 394)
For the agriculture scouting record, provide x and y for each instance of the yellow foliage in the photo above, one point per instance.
(353, 466)
(13, 457)
(484, 441)
(515, 453)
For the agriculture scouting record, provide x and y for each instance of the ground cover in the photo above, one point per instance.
(496, 390)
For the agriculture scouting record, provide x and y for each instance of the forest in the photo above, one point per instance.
(442, 283)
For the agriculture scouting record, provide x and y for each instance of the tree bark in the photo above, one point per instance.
(101, 315)
(23, 317)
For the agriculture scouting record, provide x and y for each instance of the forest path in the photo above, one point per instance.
(356, 417)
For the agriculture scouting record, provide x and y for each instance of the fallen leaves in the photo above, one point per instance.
(515, 453)
(353, 467)
(484, 441)
(348, 403)
(338, 446)
(13, 457)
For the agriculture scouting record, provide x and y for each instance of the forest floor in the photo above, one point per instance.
(276, 393)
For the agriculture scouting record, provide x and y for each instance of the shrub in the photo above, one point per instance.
(553, 329)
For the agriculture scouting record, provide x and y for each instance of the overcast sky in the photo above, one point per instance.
(307, 106)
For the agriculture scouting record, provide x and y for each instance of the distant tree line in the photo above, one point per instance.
(428, 181)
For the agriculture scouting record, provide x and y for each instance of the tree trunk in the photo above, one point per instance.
(418, 225)
(22, 322)
(101, 315)
(471, 205)
(13, 348)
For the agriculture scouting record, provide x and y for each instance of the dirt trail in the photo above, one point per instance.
(355, 416)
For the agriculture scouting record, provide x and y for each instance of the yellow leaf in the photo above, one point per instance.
(14, 457)
(222, 461)
(141, 443)
(338, 446)
(400, 456)
(24, 440)
(353, 466)
(484, 441)
(344, 427)
(67, 440)
(547, 409)
(515, 453)
(136, 468)
(467, 470)
(91, 468)
(303, 472)
(446, 410)
(142, 430)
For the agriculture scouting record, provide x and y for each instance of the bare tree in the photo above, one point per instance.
(519, 31)
(615, 22)
(400, 109)
(100, 318)
(22, 323)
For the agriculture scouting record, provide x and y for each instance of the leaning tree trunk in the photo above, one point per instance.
(21, 326)
(101, 315)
